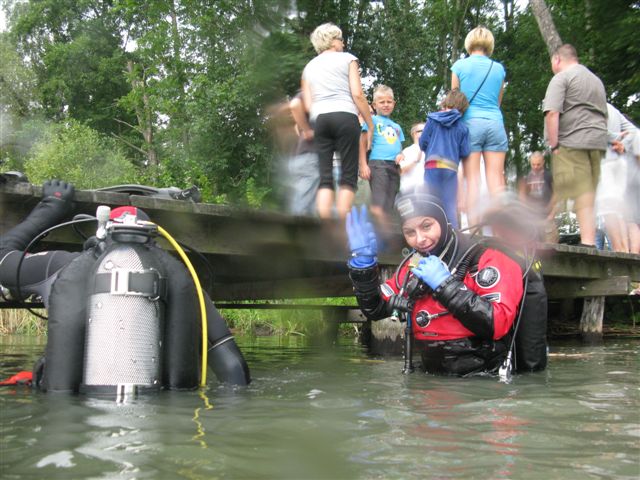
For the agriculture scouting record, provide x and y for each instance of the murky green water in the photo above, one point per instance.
(334, 412)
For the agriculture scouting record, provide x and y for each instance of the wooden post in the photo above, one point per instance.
(332, 318)
(386, 334)
(591, 319)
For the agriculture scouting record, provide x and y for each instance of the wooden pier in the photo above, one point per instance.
(260, 255)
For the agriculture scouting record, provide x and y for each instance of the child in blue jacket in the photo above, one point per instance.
(445, 141)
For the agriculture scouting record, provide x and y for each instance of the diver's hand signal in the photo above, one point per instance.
(362, 238)
(58, 189)
(432, 271)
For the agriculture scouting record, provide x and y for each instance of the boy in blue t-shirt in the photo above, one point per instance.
(445, 141)
(386, 154)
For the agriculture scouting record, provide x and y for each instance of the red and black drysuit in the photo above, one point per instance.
(465, 325)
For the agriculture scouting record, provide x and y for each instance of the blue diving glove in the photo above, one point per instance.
(432, 271)
(362, 239)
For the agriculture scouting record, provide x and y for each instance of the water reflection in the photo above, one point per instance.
(315, 411)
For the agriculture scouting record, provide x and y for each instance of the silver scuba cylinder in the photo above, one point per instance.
(123, 340)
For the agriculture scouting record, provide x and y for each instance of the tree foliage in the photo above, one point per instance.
(185, 87)
(87, 159)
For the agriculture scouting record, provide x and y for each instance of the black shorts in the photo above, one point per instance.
(338, 132)
(385, 182)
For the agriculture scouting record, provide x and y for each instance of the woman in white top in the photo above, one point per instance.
(333, 96)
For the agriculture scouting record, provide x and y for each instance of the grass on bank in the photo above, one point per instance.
(305, 322)
(621, 315)
(22, 322)
(242, 321)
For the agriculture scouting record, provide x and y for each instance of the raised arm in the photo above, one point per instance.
(355, 85)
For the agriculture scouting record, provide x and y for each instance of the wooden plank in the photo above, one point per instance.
(261, 255)
(558, 288)
(334, 286)
(567, 261)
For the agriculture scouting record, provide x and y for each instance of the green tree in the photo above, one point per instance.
(80, 155)
(185, 86)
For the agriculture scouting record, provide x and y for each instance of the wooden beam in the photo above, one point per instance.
(558, 288)
(319, 287)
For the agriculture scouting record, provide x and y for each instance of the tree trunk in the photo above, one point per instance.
(144, 116)
(180, 75)
(545, 24)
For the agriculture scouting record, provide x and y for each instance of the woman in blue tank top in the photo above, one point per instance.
(481, 79)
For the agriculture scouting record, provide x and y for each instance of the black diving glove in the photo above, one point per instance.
(55, 205)
(399, 303)
(59, 189)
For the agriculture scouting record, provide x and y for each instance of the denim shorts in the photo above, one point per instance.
(487, 135)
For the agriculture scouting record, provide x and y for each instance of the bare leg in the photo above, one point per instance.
(378, 213)
(617, 232)
(634, 237)
(494, 171)
(471, 167)
(586, 218)
(344, 201)
(324, 202)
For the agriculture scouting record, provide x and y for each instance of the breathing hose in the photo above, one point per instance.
(203, 310)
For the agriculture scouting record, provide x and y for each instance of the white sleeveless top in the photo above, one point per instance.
(328, 78)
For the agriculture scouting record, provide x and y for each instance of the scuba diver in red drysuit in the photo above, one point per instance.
(122, 312)
(464, 297)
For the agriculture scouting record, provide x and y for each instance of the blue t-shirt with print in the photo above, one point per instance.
(387, 138)
(471, 71)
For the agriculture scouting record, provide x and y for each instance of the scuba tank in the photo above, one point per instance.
(123, 318)
(125, 312)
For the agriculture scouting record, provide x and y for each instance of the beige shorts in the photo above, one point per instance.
(575, 172)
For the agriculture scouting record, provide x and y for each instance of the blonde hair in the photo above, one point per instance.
(382, 90)
(536, 154)
(479, 38)
(324, 35)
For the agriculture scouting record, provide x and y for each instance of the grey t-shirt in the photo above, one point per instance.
(579, 96)
(328, 77)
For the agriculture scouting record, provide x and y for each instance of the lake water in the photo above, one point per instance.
(332, 412)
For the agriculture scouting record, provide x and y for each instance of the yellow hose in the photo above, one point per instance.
(203, 309)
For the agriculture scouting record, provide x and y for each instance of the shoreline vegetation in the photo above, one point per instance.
(622, 318)
(241, 321)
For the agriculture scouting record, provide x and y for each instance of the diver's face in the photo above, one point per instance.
(422, 233)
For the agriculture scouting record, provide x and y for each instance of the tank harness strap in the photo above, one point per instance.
(147, 283)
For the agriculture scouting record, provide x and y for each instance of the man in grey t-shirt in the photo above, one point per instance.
(575, 108)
